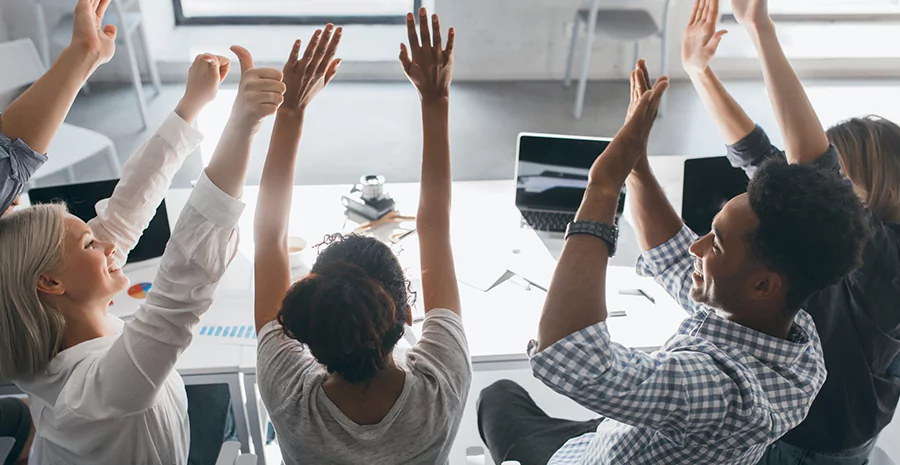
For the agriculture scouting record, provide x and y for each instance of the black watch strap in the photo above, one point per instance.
(607, 232)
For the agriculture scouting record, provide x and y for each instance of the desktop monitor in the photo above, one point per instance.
(81, 199)
(709, 183)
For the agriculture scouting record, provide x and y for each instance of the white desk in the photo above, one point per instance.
(486, 240)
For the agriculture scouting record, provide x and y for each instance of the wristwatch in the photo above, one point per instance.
(607, 232)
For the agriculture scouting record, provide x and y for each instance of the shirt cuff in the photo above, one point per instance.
(560, 363)
(658, 259)
(215, 205)
(179, 134)
(752, 146)
(23, 160)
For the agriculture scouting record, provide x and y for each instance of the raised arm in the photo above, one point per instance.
(697, 50)
(202, 245)
(429, 66)
(577, 295)
(804, 137)
(147, 175)
(655, 220)
(304, 78)
(38, 113)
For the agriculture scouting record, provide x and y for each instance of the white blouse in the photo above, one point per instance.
(117, 399)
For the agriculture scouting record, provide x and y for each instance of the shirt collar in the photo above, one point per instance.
(761, 346)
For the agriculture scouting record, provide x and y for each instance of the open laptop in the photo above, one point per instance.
(551, 177)
(709, 183)
(81, 199)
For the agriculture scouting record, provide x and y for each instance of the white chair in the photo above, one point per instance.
(230, 454)
(126, 15)
(880, 457)
(620, 24)
(887, 447)
(72, 144)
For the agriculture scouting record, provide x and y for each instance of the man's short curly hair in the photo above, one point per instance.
(812, 226)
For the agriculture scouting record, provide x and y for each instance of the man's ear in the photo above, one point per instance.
(409, 315)
(768, 284)
(48, 285)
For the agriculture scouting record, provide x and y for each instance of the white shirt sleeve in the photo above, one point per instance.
(146, 177)
(203, 243)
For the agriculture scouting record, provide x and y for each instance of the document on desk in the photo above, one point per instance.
(229, 320)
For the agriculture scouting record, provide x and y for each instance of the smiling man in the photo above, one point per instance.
(742, 369)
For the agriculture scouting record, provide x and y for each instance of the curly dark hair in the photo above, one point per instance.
(351, 309)
(812, 226)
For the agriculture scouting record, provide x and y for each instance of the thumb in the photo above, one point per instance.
(224, 66)
(716, 38)
(110, 31)
(244, 57)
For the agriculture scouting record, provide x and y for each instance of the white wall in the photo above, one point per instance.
(498, 39)
(529, 39)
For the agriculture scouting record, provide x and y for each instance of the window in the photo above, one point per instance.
(829, 10)
(293, 11)
(826, 29)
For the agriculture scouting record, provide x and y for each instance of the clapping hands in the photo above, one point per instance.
(612, 168)
(430, 68)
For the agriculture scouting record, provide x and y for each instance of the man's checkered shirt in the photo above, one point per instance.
(715, 393)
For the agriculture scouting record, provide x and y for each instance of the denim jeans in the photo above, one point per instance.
(212, 422)
(782, 453)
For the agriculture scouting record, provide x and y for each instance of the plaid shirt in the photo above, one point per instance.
(716, 392)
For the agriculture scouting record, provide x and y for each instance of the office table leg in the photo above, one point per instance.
(258, 428)
(236, 389)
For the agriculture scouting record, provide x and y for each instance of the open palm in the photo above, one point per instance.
(89, 33)
(701, 40)
(306, 76)
(431, 67)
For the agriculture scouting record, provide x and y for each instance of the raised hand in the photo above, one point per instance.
(640, 84)
(305, 77)
(612, 168)
(431, 68)
(750, 13)
(204, 77)
(261, 91)
(701, 40)
(88, 33)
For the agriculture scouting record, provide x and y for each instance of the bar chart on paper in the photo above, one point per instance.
(241, 335)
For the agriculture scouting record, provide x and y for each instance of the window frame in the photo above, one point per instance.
(182, 20)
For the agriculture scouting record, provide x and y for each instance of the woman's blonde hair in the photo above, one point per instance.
(869, 151)
(31, 330)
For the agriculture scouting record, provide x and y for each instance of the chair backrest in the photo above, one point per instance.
(229, 453)
(21, 64)
(6, 445)
(879, 457)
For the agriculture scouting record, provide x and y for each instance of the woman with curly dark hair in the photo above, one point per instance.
(326, 370)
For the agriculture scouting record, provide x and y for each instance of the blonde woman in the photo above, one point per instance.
(104, 392)
(858, 319)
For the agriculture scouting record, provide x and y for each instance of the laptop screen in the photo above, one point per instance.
(552, 170)
(709, 183)
(81, 199)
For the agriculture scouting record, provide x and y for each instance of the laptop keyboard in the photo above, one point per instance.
(547, 221)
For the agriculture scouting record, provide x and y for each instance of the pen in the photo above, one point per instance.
(637, 292)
